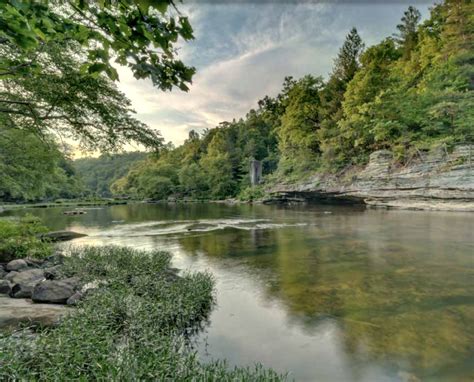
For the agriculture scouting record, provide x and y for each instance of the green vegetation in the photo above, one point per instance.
(135, 326)
(98, 174)
(408, 93)
(56, 70)
(57, 82)
(139, 34)
(34, 169)
(19, 239)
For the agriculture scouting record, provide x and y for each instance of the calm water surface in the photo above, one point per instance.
(325, 293)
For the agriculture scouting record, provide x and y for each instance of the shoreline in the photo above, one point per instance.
(135, 324)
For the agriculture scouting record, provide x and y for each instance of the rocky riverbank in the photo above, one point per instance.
(434, 180)
(29, 288)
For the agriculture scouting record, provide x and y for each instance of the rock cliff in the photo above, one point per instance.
(435, 180)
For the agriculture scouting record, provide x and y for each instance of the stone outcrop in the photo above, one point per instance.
(16, 311)
(435, 180)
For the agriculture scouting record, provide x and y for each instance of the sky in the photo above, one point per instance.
(244, 49)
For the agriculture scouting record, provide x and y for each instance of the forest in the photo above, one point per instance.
(410, 92)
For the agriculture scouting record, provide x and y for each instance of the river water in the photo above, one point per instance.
(325, 293)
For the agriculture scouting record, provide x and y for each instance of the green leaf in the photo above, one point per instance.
(97, 68)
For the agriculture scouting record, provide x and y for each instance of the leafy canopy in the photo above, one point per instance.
(57, 66)
(136, 33)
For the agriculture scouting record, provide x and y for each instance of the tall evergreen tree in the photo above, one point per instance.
(347, 61)
(407, 36)
(346, 65)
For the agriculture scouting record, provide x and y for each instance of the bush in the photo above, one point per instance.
(252, 193)
(137, 326)
(20, 238)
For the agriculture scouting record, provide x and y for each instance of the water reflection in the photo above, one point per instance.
(340, 296)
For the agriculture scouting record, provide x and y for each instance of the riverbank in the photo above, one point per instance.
(434, 180)
(137, 323)
(65, 203)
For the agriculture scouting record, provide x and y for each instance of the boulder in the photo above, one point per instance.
(23, 290)
(55, 291)
(3, 272)
(55, 236)
(34, 263)
(5, 287)
(16, 312)
(53, 260)
(74, 299)
(52, 273)
(27, 276)
(17, 265)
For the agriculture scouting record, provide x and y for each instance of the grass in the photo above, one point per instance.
(19, 239)
(137, 326)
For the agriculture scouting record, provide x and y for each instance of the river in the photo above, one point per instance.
(325, 293)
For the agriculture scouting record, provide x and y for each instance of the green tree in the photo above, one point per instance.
(139, 34)
(65, 102)
(32, 169)
(346, 66)
(298, 142)
(98, 174)
(193, 180)
(55, 58)
(407, 36)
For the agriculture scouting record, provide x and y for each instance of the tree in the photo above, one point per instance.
(64, 101)
(298, 142)
(407, 36)
(346, 65)
(55, 58)
(33, 170)
(347, 62)
(98, 174)
(136, 33)
(193, 180)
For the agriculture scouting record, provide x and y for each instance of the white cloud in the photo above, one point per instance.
(243, 52)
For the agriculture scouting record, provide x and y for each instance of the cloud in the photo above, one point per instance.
(243, 52)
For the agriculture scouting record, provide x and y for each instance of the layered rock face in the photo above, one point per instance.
(436, 180)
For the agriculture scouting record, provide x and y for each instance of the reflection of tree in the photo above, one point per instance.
(394, 303)
(398, 291)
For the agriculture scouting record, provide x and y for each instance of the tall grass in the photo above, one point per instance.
(135, 326)
(20, 238)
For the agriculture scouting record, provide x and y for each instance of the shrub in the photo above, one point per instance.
(252, 193)
(20, 238)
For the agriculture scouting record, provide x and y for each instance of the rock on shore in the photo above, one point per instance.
(435, 180)
(29, 289)
(16, 311)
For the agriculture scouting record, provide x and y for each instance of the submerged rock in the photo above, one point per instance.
(55, 236)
